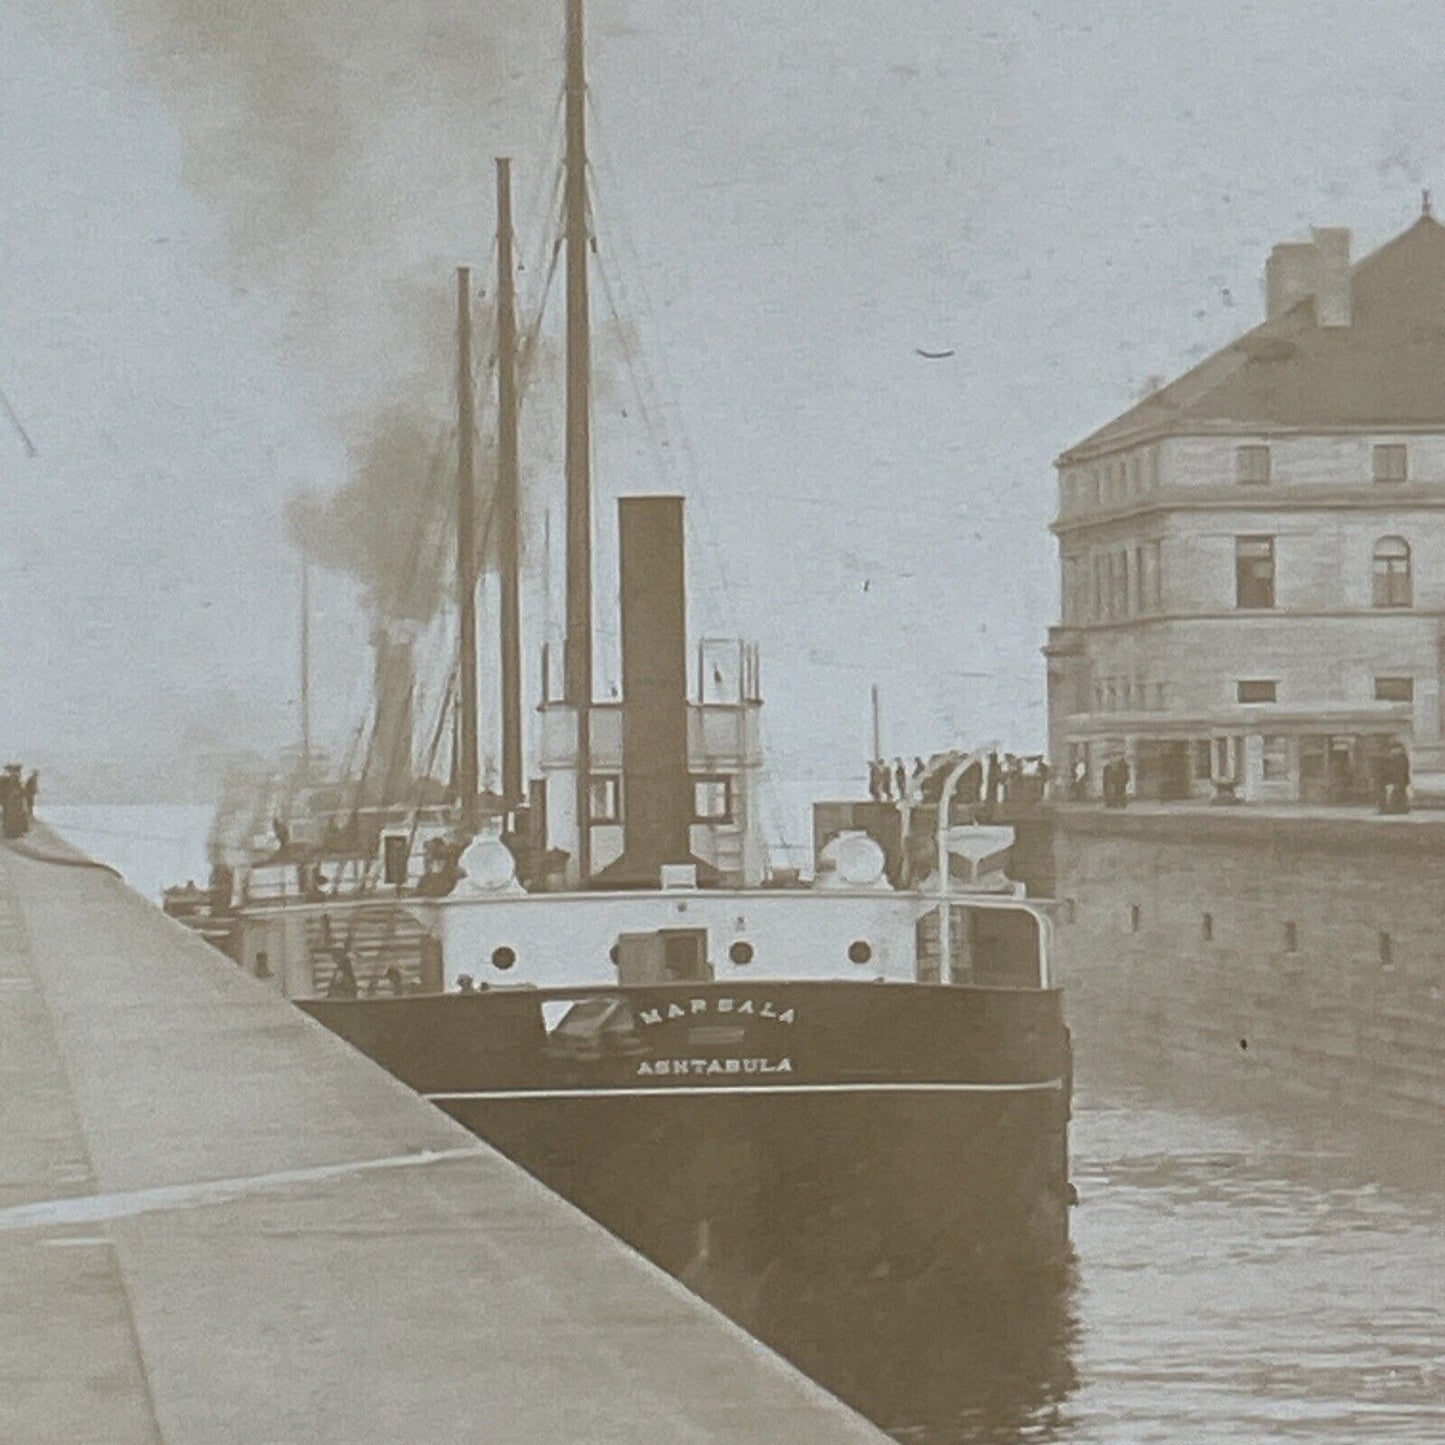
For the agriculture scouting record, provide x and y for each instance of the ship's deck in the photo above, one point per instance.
(220, 1223)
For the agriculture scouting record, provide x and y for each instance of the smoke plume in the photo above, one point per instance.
(350, 150)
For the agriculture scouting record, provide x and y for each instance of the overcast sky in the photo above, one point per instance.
(228, 246)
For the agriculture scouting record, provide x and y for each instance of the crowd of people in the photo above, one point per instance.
(998, 779)
(892, 783)
(17, 800)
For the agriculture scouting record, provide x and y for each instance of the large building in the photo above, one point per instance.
(1253, 557)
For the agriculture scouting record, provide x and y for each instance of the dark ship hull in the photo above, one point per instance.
(837, 1129)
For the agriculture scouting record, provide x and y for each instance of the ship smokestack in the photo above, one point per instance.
(389, 769)
(657, 800)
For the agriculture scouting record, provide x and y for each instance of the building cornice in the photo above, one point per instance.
(1256, 614)
(1236, 718)
(1270, 497)
(1214, 431)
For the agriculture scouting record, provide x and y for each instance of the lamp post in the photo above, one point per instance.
(945, 912)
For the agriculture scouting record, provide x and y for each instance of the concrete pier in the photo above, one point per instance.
(219, 1223)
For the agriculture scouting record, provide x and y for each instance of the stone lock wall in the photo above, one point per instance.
(1303, 955)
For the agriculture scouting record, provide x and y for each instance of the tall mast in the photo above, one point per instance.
(305, 670)
(578, 653)
(467, 778)
(508, 493)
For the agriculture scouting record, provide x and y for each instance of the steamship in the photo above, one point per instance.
(867, 1071)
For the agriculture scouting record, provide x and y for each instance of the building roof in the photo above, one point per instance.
(1385, 370)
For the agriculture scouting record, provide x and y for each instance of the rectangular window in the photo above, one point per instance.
(1100, 593)
(1251, 465)
(1206, 927)
(604, 798)
(1202, 754)
(1394, 689)
(1391, 464)
(1154, 577)
(712, 799)
(1256, 690)
(1276, 759)
(1254, 571)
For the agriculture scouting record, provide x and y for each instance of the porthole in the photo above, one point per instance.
(859, 951)
(503, 957)
(741, 952)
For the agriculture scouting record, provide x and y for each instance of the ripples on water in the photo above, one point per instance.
(1236, 1279)
(1239, 1282)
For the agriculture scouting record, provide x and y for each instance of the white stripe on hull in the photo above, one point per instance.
(670, 1091)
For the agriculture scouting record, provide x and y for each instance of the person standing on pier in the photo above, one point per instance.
(993, 781)
(12, 803)
(1395, 781)
(900, 778)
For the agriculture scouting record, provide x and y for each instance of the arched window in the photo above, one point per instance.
(1392, 573)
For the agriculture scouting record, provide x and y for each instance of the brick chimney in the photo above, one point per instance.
(1289, 276)
(1332, 275)
(1318, 268)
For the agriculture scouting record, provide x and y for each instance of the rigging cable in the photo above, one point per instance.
(695, 489)
(30, 448)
